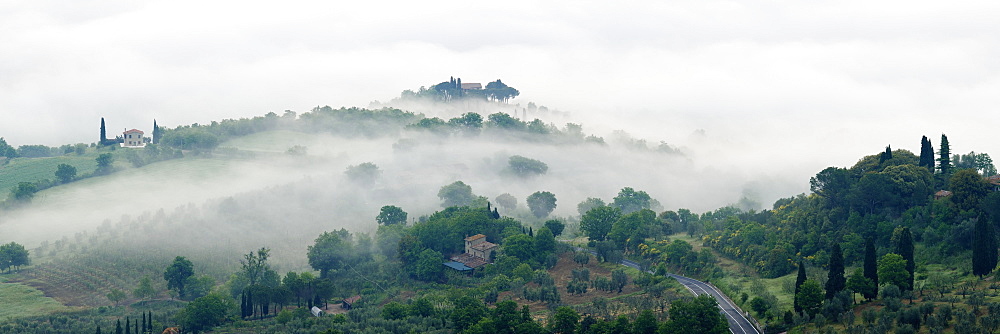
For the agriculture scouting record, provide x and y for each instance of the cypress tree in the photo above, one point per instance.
(904, 247)
(156, 135)
(871, 266)
(128, 326)
(150, 321)
(944, 162)
(799, 279)
(835, 281)
(118, 326)
(885, 155)
(137, 328)
(104, 133)
(98, 329)
(984, 249)
(143, 322)
(926, 154)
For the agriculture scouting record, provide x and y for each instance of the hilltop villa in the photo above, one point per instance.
(133, 138)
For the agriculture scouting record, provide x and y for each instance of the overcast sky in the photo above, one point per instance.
(810, 82)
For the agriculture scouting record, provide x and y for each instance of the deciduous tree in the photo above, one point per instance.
(698, 315)
(541, 203)
(177, 275)
(629, 200)
(597, 222)
(892, 270)
(456, 194)
(65, 173)
(391, 215)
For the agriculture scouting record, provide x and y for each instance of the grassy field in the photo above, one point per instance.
(20, 300)
(37, 169)
(269, 141)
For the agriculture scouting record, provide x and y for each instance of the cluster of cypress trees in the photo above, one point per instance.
(137, 328)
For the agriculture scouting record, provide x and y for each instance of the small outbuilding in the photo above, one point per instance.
(348, 303)
(316, 311)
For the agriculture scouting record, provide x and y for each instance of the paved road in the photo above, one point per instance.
(738, 324)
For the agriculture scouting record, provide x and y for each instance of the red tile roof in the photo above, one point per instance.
(469, 260)
(134, 130)
(475, 237)
(483, 246)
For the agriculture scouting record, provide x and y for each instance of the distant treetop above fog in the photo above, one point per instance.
(455, 89)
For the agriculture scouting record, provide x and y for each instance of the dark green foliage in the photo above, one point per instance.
(65, 173)
(24, 191)
(835, 277)
(944, 160)
(926, 154)
(428, 266)
(980, 162)
(34, 151)
(13, 255)
(104, 137)
(541, 203)
(332, 250)
(860, 284)
(391, 215)
(629, 200)
(968, 189)
(892, 270)
(157, 133)
(984, 249)
(697, 315)
(6, 150)
(800, 278)
(632, 229)
(871, 269)
(467, 312)
(177, 275)
(809, 298)
(445, 230)
(206, 312)
(555, 226)
(525, 167)
(564, 321)
(597, 222)
(104, 163)
(520, 246)
(904, 247)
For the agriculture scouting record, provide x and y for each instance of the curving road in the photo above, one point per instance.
(738, 324)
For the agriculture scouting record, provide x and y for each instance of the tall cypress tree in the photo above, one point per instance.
(944, 161)
(156, 133)
(98, 329)
(128, 326)
(871, 266)
(885, 155)
(835, 281)
(984, 249)
(118, 326)
(799, 279)
(926, 154)
(904, 247)
(104, 133)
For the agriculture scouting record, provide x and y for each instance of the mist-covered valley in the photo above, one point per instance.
(281, 187)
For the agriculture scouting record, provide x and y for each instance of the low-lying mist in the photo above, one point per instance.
(252, 194)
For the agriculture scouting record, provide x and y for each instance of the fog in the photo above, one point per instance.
(758, 96)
